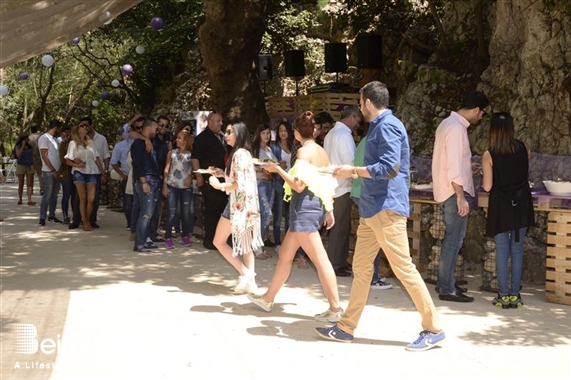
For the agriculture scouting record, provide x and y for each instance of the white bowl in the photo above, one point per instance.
(558, 188)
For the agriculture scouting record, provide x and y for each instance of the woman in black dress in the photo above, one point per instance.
(510, 212)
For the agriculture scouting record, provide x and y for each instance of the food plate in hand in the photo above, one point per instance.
(207, 171)
(422, 186)
(326, 169)
(259, 162)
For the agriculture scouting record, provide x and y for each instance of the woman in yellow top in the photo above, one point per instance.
(311, 207)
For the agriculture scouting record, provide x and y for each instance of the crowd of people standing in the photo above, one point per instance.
(310, 173)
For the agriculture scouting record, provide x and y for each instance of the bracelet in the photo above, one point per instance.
(355, 175)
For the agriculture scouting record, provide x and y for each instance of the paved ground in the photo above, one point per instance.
(104, 312)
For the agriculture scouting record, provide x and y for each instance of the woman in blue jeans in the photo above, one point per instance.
(177, 188)
(510, 212)
(282, 150)
(261, 150)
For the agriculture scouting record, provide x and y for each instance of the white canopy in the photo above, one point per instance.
(32, 27)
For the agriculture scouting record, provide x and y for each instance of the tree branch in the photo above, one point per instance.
(439, 27)
(415, 43)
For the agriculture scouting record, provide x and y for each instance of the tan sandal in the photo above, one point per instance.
(263, 256)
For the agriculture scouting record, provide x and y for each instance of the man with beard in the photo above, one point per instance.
(384, 208)
(146, 185)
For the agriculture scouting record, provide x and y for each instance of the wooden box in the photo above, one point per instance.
(291, 106)
(558, 263)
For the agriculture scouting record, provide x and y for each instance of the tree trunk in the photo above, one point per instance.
(229, 41)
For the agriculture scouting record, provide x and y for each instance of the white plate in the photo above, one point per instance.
(326, 169)
(258, 162)
(425, 186)
(204, 171)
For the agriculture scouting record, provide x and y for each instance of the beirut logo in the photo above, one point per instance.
(26, 342)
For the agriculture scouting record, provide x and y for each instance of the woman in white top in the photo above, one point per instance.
(177, 188)
(241, 217)
(85, 165)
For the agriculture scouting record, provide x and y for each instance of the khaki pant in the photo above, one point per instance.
(386, 229)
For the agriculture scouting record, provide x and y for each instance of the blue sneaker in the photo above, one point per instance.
(426, 341)
(334, 333)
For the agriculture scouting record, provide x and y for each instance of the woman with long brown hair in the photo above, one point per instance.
(510, 212)
(85, 165)
(241, 217)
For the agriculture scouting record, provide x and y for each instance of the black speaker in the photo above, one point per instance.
(265, 70)
(369, 51)
(336, 57)
(294, 63)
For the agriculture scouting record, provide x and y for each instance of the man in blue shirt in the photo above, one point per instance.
(384, 208)
(119, 163)
(146, 184)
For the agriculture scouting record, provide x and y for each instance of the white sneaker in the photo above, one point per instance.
(245, 283)
(277, 249)
(329, 316)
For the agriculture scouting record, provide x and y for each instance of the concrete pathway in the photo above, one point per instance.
(104, 312)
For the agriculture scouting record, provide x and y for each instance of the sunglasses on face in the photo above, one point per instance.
(83, 125)
(228, 132)
(163, 125)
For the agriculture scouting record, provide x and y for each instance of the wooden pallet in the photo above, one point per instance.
(334, 103)
(558, 263)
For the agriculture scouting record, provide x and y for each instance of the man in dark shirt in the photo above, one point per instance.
(146, 186)
(209, 149)
(162, 143)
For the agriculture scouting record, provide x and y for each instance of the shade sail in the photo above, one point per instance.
(31, 27)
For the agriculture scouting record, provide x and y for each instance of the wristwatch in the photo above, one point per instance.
(354, 175)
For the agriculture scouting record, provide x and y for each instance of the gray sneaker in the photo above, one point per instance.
(329, 316)
(381, 283)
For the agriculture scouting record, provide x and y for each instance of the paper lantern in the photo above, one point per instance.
(115, 83)
(156, 23)
(140, 49)
(4, 90)
(105, 16)
(75, 41)
(95, 103)
(127, 69)
(47, 60)
(105, 95)
(23, 75)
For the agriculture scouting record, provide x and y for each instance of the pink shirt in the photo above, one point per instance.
(451, 161)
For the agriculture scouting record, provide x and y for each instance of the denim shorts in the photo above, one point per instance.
(79, 177)
(226, 212)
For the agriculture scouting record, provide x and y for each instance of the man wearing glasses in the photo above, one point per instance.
(454, 187)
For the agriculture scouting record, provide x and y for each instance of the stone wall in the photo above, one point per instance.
(529, 75)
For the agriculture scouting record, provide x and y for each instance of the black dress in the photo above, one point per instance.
(510, 204)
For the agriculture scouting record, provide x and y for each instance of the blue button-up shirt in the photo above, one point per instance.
(119, 156)
(387, 158)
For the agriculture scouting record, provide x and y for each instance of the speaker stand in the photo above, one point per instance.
(336, 77)
(264, 87)
(296, 86)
